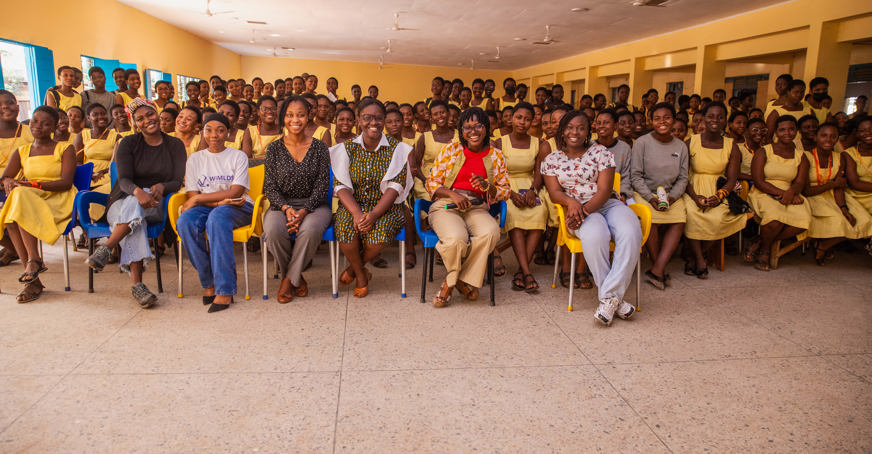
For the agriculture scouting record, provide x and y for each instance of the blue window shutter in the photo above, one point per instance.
(108, 66)
(41, 72)
(128, 65)
(167, 77)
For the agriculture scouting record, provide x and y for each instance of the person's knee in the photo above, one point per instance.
(218, 222)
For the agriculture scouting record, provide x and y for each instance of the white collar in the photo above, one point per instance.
(382, 143)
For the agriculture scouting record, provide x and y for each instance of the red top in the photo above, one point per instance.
(474, 165)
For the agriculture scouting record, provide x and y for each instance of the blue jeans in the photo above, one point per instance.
(613, 221)
(217, 266)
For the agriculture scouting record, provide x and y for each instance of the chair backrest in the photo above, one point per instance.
(617, 185)
(82, 180)
(255, 181)
(113, 174)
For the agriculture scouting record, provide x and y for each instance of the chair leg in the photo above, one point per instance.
(91, 242)
(490, 272)
(245, 269)
(66, 265)
(432, 262)
(180, 254)
(157, 266)
(264, 254)
(556, 265)
(424, 265)
(639, 283)
(334, 282)
(402, 269)
(571, 280)
(722, 255)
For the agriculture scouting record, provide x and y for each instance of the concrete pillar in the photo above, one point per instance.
(595, 84)
(640, 81)
(709, 75)
(827, 57)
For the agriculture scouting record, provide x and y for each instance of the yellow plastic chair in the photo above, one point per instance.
(564, 237)
(240, 235)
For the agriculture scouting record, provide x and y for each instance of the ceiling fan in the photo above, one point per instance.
(396, 26)
(387, 48)
(281, 51)
(547, 39)
(496, 58)
(658, 3)
(210, 13)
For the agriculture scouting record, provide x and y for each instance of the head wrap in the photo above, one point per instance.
(136, 103)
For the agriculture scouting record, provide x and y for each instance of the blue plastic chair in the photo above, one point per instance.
(96, 230)
(82, 182)
(429, 240)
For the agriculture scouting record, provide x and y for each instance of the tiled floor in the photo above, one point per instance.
(743, 362)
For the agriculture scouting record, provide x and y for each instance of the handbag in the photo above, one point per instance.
(734, 202)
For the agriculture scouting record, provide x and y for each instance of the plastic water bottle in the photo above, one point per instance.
(662, 198)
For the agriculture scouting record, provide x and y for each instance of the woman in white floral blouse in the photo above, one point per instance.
(580, 176)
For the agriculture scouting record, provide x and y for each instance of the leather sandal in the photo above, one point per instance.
(469, 292)
(30, 276)
(583, 280)
(530, 284)
(518, 281)
(7, 257)
(442, 301)
(361, 292)
(346, 277)
(31, 292)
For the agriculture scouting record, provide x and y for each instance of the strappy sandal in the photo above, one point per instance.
(540, 258)
(82, 242)
(518, 281)
(583, 280)
(442, 301)
(701, 274)
(750, 254)
(379, 262)
(30, 276)
(762, 262)
(564, 279)
(469, 292)
(411, 260)
(530, 284)
(499, 267)
(31, 292)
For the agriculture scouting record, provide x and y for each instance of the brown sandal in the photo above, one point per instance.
(583, 280)
(346, 277)
(469, 292)
(762, 263)
(31, 292)
(7, 257)
(442, 301)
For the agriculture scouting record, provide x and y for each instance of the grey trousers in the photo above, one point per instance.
(278, 241)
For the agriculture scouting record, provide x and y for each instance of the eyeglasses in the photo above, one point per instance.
(268, 109)
(372, 118)
(475, 127)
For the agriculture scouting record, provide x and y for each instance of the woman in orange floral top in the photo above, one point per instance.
(470, 175)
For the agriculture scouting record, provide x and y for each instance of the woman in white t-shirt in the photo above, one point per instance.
(217, 182)
(580, 176)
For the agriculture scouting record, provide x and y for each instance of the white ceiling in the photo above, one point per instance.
(451, 32)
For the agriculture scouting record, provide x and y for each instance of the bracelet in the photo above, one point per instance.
(35, 184)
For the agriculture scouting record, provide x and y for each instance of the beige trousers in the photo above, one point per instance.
(466, 238)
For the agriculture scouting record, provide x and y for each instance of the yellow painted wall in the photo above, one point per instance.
(111, 30)
(805, 37)
(402, 83)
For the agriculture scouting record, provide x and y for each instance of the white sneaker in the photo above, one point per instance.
(606, 311)
(625, 310)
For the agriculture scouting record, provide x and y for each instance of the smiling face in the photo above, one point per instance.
(757, 133)
(268, 89)
(785, 131)
(248, 92)
(133, 82)
(714, 119)
(662, 120)
(147, 120)
(193, 91)
(439, 116)
(436, 87)
(453, 118)
(99, 118)
(118, 77)
(311, 84)
(826, 137)
(345, 122)
(8, 108)
(738, 125)
(332, 85)
(394, 123)
(605, 126)
(228, 113)
(372, 122)
(298, 85)
(576, 132)
(167, 122)
(215, 133)
(322, 112)
(808, 130)
(119, 117)
(408, 117)
(63, 123)
(267, 112)
(679, 130)
(42, 125)
(244, 115)
(186, 122)
(474, 134)
(163, 92)
(296, 118)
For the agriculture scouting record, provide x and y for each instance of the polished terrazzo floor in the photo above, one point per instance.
(743, 362)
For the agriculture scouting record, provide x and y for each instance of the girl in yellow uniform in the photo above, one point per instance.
(97, 145)
(708, 217)
(526, 217)
(344, 125)
(187, 125)
(39, 207)
(133, 84)
(12, 135)
(430, 144)
(780, 171)
(858, 168)
(755, 136)
(230, 110)
(266, 132)
(793, 106)
(835, 216)
(120, 120)
(410, 135)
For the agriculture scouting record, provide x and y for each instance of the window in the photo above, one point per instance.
(745, 83)
(13, 62)
(181, 81)
(87, 64)
(675, 87)
(107, 66)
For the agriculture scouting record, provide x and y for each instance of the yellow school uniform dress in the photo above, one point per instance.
(780, 172)
(864, 172)
(431, 151)
(99, 150)
(192, 147)
(827, 220)
(43, 214)
(124, 134)
(821, 113)
(780, 110)
(260, 142)
(747, 157)
(499, 104)
(126, 98)
(520, 163)
(545, 197)
(66, 102)
(706, 165)
(237, 141)
(21, 137)
(319, 133)
(482, 105)
(407, 141)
